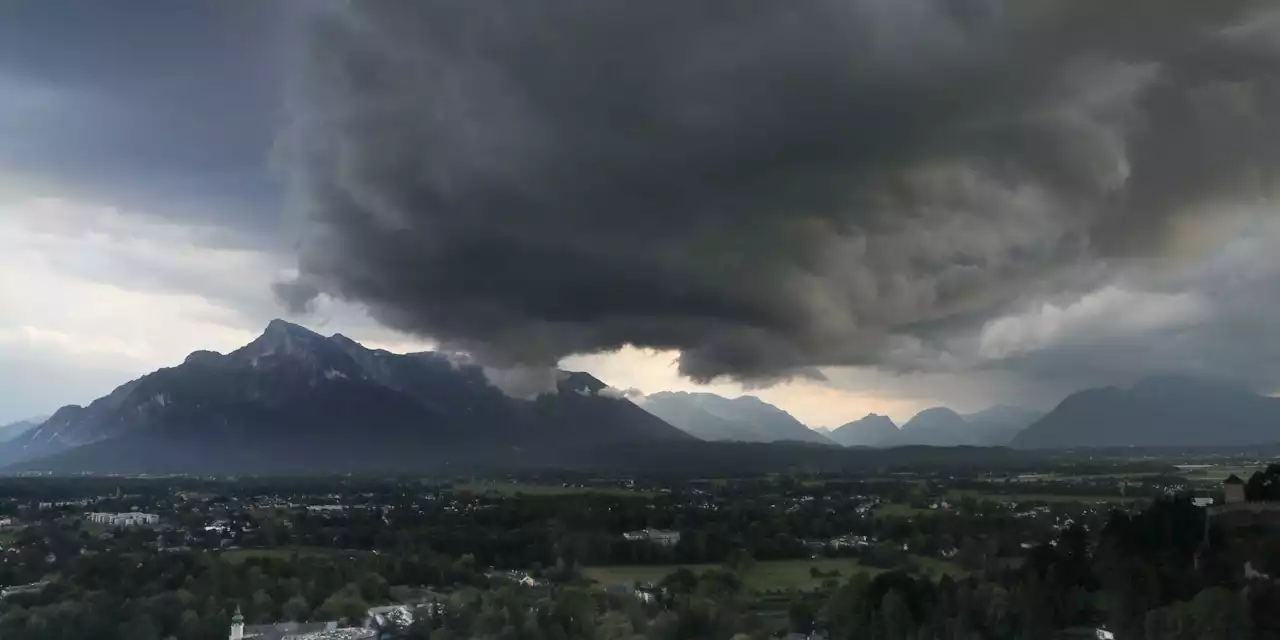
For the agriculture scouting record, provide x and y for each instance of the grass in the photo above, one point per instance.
(238, 556)
(516, 488)
(899, 510)
(936, 567)
(777, 575)
(1218, 474)
(957, 494)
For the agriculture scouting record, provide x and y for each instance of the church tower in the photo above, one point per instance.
(237, 625)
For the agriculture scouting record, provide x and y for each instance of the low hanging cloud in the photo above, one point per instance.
(767, 187)
(632, 394)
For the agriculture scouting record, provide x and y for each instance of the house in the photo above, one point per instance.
(299, 631)
(123, 519)
(34, 587)
(519, 577)
(296, 631)
(1233, 490)
(663, 537)
(389, 622)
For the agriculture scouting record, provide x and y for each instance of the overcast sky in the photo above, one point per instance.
(845, 206)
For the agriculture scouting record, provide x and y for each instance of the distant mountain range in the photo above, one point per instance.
(937, 427)
(14, 429)
(999, 424)
(1158, 412)
(745, 419)
(293, 401)
(871, 431)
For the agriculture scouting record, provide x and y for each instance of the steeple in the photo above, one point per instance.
(237, 625)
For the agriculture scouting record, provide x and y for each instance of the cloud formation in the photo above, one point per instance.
(766, 187)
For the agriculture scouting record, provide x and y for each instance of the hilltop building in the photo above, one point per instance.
(296, 631)
(1233, 490)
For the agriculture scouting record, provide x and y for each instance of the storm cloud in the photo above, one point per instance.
(767, 187)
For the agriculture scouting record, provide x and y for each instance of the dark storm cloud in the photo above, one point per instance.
(162, 107)
(1213, 318)
(766, 186)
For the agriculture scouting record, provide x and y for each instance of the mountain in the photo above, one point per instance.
(998, 425)
(1159, 411)
(295, 401)
(15, 429)
(747, 419)
(937, 427)
(871, 431)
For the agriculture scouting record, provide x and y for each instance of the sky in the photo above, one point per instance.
(841, 206)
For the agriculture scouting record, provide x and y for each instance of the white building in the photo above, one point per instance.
(123, 519)
(325, 508)
(660, 536)
(296, 631)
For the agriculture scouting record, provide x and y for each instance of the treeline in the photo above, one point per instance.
(133, 596)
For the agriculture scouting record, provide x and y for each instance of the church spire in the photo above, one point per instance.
(237, 625)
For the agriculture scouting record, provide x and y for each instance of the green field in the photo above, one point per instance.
(957, 494)
(937, 567)
(514, 488)
(237, 556)
(1215, 475)
(765, 576)
(899, 510)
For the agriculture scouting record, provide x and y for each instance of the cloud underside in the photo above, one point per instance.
(772, 188)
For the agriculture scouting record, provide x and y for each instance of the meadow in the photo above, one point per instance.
(776, 575)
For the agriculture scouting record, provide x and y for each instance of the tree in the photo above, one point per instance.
(575, 612)
(296, 609)
(800, 615)
(740, 561)
(346, 603)
(895, 616)
(139, 628)
(1264, 486)
(374, 588)
(190, 627)
(1220, 615)
(263, 607)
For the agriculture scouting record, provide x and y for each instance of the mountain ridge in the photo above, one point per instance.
(1158, 411)
(17, 428)
(294, 400)
(708, 416)
(872, 430)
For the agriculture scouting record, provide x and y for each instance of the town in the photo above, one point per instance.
(886, 554)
